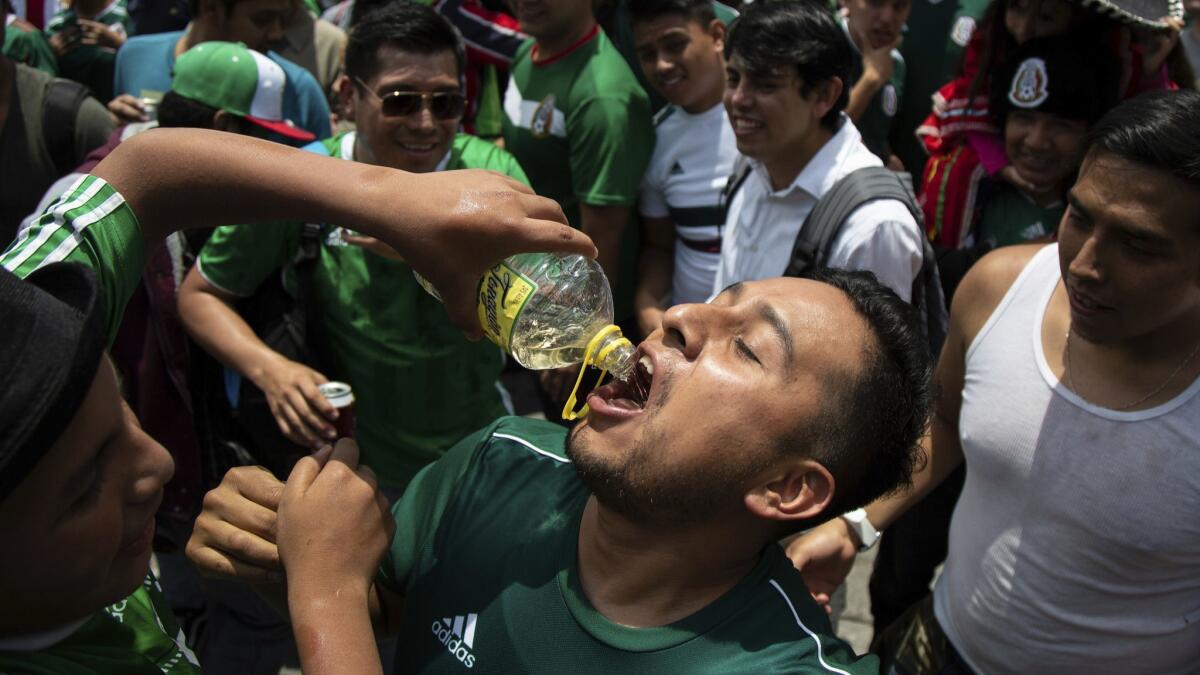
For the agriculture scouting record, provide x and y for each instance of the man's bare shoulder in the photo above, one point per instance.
(986, 283)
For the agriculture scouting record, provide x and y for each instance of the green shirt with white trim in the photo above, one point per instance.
(485, 555)
(579, 124)
(1010, 217)
(419, 385)
(136, 636)
(91, 224)
(92, 65)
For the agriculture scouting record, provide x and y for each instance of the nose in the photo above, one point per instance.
(275, 31)
(422, 119)
(150, 468)
(1038, 137)
(662, 64)
(738, 95)
(1087, 265)
(688, 327)
(1021, 27)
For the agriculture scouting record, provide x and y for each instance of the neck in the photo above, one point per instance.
(642, 576)
(713, 96)
(1046, 198)
(201, 29)
(362, 151)
(553, 45)
(785, 165)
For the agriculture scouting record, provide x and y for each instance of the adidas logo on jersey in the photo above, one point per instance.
(676, 169)
(457, 635)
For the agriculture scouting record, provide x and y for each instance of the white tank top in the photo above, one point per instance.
(1075, 547)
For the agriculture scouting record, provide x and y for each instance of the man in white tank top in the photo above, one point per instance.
(1069, 383)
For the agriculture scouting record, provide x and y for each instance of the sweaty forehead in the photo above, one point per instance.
(824, 326)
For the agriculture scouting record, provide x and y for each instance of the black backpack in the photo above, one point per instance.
(246, 433)
(60, 107)
(823, 223)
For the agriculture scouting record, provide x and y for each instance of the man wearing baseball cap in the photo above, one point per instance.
(239, 82)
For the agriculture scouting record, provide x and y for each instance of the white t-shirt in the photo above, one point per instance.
(1075, 546)
(762, 224)
(693, 156)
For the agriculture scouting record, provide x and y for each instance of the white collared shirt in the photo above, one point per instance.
(762, 224)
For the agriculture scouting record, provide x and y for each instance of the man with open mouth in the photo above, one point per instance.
(645, 539)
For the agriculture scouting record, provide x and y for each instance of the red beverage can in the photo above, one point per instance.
(341, 397)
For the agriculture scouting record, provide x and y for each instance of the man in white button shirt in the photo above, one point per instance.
(786, 87)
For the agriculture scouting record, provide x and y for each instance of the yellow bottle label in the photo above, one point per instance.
(502, 295)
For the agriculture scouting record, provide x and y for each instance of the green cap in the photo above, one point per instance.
(238, 80)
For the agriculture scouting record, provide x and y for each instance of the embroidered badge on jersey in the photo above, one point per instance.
(543, 117)
(887, 100)
(962, 31)
(1030, 84)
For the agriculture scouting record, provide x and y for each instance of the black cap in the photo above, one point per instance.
(1071, 76)
(50, 347)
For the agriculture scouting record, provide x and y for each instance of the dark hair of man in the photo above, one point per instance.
(1156, 130)
(700, 11)
(870, 431)
(194, 6)
(182, 112)
(405, 26)
(362, 8)
(794, 33)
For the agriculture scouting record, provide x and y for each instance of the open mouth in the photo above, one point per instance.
(418, 147)
(625, 398)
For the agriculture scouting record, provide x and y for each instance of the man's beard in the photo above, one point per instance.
(644, 489)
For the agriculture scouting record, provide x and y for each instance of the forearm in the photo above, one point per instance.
(333, 631)
(655, 270)
(188, 178)
(221, 331)
(860, 96)
(605, 225)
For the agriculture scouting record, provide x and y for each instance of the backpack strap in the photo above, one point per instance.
(852, 191)
(60, 107)
(737, 178)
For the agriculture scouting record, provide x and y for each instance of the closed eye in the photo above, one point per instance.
(745, 351)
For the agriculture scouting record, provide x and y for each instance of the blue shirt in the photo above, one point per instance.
(146, 61)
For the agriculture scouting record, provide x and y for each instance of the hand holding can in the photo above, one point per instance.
(340, 396)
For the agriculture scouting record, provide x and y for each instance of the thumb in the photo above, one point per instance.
(305, 471)
(346, 452)
(461, 303)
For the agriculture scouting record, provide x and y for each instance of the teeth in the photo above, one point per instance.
(647, 364)
(746, 124)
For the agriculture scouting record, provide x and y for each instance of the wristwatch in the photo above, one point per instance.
(857, 521)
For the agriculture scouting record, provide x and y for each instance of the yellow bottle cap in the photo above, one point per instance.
(593, 355)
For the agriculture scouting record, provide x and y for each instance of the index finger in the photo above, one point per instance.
(538, 235)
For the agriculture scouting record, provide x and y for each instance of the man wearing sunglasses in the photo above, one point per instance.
(419, 385)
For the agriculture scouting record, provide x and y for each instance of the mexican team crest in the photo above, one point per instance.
(1030, 84)
(962, 31)
(543, 118)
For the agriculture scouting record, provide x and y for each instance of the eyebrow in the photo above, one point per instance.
(780, 328)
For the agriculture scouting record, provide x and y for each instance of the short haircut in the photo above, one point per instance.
(1082, 78)
(180, 111)
(194, 6)
(405, 26)
(1157, 129)
(795, 33)
(869, 433)
(700, 11)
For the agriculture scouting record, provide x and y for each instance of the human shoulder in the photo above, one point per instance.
(530, 437)
(608, 75)
(986, 284)
(472, 152)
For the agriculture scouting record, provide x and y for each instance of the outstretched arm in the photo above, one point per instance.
(450, 226)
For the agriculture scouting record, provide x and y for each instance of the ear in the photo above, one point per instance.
(347, 96)
(717, 31)
(802, 492)
(223, 121)
(826, 95)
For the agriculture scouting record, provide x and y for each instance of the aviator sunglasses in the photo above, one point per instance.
(443, 104)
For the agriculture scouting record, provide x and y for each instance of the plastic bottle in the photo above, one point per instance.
(549, 310)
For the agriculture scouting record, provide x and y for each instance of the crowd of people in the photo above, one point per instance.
(915, 274)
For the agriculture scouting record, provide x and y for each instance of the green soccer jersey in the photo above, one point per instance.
(935, 38)
(24, 43)
(875, 125)
(419, 385)
(580, 125)
(135, 636)
(485, 555)
(1009, 217)
(91, 64)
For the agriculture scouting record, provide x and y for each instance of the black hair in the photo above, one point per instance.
(406, 26)
(869, 433)
(700, 11)
(362, 8)
(1083, 79)
(194, 6)
(176, 110)
(1157, 130)
(798, 33)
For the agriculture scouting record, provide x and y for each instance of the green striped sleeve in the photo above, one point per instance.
(89, 224)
